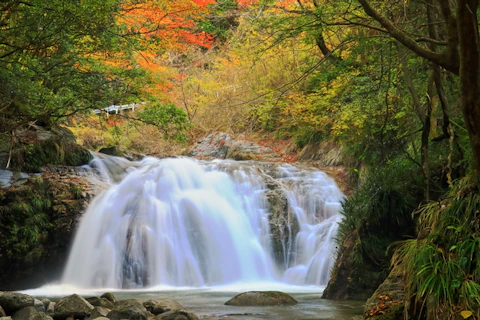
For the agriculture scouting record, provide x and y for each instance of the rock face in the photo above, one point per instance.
(262, 298)
(128, 309)
(388, 301)
(73, 305)
(222, 146)
(51, 206)
(13, 301)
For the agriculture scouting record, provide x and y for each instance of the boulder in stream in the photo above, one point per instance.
(159, 306)
(262, 298)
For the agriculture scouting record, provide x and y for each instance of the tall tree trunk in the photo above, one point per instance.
(470, 73)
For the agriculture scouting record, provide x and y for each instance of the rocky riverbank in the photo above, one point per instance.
(19, 306)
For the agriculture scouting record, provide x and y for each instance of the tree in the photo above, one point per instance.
(460, 54)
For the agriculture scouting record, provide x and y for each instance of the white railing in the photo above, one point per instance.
(115, 109)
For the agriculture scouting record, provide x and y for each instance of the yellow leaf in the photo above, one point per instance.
(466, 314)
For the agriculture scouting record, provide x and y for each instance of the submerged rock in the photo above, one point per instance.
(262, 298)
(13, 301)
(159, 306)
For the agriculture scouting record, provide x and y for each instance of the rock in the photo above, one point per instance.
(222, 146)
(29, 313)
(5, 318)
(46, 302)
(38, 305)
(162, 305)
(5, 178)
(177, 315)
(128, 309)
(388, 301)
(98, 312)
(101, 318)
(262, 298)
(100, 302)
(51, 308)
(13, 301)
(2, 312)
(73, 305)
(109, 296)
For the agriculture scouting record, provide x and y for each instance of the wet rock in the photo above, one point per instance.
(128, 309)
(165, 305)
(13, 301)
(38, 305)
(51, 308)
(177, 315)
(98, 312)
(73, 305)
(262, 298)
(29, 313)
(109, 296)
(46, 302)
(100, 302)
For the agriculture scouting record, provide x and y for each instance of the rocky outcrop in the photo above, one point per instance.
(262, 298)
(32, 147)
(39, 216)
(222, 146)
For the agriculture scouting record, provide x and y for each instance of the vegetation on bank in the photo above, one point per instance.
(393, 83)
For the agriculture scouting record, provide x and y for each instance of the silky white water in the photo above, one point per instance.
(187, 223)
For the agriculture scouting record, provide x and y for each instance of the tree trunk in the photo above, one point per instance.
(470, 73)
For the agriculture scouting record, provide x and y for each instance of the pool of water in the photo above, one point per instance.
(209, 303)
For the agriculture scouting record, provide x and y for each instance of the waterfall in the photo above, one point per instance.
(183, 222)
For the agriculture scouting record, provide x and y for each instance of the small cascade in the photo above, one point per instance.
(182, 222)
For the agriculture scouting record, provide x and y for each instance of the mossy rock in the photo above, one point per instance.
(37, 147)
(262, 298)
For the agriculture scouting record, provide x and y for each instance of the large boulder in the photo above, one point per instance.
(128, 309)
(73, 305)
(29, 313)
(13, 301)
(177, 315)
(262, 298)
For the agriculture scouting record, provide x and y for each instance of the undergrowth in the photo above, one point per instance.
(442, 265)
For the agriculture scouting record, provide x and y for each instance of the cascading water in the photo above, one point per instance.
(182, 222)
